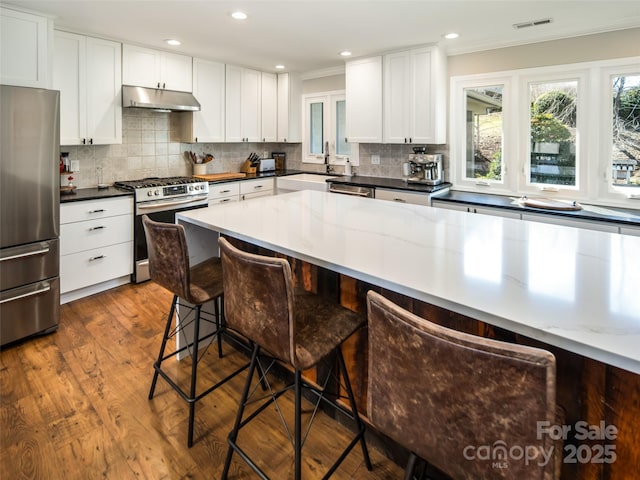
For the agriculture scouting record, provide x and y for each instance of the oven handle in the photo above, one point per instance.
(170, 204)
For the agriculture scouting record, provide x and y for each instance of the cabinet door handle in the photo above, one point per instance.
(158, 85)
(91, 141)
(196, 139)
(99, 210)
(84, 141)
(99, 257)
(164, 85)
(99, 227)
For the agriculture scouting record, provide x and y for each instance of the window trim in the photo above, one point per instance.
(594, 135)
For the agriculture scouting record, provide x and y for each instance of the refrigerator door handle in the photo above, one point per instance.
(40, 251)
(28, 293)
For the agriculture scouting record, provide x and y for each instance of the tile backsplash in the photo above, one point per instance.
(147, 151)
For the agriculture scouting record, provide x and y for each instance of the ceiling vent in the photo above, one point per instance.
(533, 23)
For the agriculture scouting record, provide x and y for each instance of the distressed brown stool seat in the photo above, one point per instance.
(169, 267)
(450, 398)
(298, 330)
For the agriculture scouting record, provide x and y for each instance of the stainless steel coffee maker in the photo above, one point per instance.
(425, 168)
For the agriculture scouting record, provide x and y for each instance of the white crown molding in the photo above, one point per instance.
(323, 72)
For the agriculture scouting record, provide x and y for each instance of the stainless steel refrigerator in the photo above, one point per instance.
(29, 212)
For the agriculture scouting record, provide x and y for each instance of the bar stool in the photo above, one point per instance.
(466, 404)
(298, 330)
(169, 267)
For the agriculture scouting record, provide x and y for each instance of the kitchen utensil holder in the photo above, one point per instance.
(199, 169)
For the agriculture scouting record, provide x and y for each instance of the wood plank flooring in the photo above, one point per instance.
(74, 405)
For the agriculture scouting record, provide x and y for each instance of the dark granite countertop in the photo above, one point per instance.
(391, 183)
(589, 212)
(94, 193)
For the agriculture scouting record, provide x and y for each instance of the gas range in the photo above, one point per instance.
(156, 188)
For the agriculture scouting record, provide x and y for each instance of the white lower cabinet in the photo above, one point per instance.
(96, 246)
(402, 196)
(224, 193)
(464, 207)
(256, 188)
(635, 231)
(228, 192)
(570, 222)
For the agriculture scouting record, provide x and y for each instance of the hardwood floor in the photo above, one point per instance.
(74, 405)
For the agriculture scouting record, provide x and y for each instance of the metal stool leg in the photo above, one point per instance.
(298, 426)
(219, 312)
(167, 329)
(354, 408)
(233, 435)
(194, 371)
(411, 467)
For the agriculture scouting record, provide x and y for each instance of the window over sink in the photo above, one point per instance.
(324, 121)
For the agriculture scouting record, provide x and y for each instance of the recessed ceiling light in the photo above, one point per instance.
(173, 41)
(346, 53)
(280, 67)
(239, 15)
(451, 36)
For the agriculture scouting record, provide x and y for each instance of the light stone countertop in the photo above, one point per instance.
(572, 288)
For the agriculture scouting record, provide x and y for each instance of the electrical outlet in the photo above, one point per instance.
(75, 165)
(375, 159)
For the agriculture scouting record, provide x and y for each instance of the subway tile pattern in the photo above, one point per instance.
(147, 150)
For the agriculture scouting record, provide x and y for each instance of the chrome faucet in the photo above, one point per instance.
(328, 168)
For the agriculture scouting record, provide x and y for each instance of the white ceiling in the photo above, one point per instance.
(307, 35)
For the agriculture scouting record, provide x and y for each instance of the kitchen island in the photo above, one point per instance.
(574, 291)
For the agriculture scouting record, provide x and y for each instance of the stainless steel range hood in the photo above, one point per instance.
(160, 100)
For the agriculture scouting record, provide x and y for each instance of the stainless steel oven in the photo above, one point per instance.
(160, 199)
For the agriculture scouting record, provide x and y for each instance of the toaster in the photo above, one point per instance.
(267, 165)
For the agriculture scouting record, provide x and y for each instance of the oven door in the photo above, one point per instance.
(159, 211)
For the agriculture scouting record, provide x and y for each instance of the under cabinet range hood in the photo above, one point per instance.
(159, 100)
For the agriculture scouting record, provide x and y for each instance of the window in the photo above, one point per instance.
(566, 131)
(552, 127)
(484, 133)
(625, 134)
(324, 130)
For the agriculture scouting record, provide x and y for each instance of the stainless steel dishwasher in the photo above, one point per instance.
(367, 192)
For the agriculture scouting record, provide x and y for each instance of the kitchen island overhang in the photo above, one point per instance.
(563, 286)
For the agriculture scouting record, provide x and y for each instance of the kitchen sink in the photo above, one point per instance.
(304, 181)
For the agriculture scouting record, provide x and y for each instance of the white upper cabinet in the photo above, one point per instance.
(269, 95)
(289, 107)
(363, 90)
(243, 105)
(415, 96)
(87, 71)
(209, 90)
(145, 67)
(24, 49)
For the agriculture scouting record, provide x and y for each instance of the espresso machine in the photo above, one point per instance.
(425, 168)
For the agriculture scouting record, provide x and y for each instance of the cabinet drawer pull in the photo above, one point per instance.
(402, 200)
(258, 186)
(225, 191)
(99, 257)
(99, 227)
(99, 210)
(225, 200)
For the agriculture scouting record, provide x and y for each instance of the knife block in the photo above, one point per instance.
(247, 168)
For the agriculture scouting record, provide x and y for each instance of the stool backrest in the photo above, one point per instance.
(168, 256)
(258, 299)
(466, 404)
